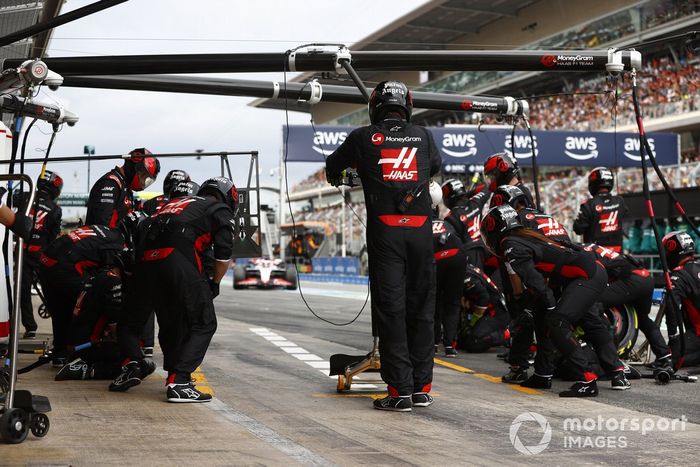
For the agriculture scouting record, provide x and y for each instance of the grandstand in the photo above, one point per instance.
(668, 83)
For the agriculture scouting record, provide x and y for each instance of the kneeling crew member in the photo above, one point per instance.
(538, 263)
(631, 284)
(92, 338)
(65, 265)
(486, 318)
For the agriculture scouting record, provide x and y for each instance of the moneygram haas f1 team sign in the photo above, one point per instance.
(463, 146)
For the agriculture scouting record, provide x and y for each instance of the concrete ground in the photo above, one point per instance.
(275, 405)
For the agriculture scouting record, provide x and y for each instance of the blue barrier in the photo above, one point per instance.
(337, 278)
(348, 265)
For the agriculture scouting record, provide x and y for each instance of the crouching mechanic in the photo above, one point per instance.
(179, 289)
(485, 318)
(395, 160)
(65, 265)
(631, 284)
(685, 279)
(92, 341)
(536, 265)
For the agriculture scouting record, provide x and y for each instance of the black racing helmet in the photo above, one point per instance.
(183, 189)
(222, 189)
(452, 191)
(388, 96)
(51, 183)
(496, 224)
(500, 169)
(173, 178)
(599, 178)
(677, 245)
(510, 195)
(141, 169)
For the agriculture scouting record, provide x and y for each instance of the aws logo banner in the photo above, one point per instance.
(520, 146)
(631, 149)
(468, 145)
(459, 144)
(581, 148)
(325, 142)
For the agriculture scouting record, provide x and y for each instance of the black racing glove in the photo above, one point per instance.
(215, 288)
(22, 226)
(334, 179)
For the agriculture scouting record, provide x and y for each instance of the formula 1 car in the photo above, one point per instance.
(265, 274)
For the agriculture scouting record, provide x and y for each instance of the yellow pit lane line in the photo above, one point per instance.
(486, 377)
(202, 383)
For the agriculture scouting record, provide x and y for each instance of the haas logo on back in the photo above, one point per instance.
(81, 233)
(399, 165)
(550, 227)
(175, 207)
(608, 222)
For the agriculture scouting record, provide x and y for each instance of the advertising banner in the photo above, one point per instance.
(465, 147)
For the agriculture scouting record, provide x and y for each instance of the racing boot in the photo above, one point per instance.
(132, 374)
(631, 372)
(581, 389)
(395, 404)
(76, 370)
(662, 362)
(537, 382)
(619, 382)
(516, 375)
(450, 352)
(186, 392)
(421, 399)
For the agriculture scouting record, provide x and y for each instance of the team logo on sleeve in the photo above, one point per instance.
(399, 165)
(439, 227)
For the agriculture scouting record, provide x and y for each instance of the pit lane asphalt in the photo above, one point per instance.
(470, 421)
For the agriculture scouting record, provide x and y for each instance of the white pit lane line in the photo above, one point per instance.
(301, 354)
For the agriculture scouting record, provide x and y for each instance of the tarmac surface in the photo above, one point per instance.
(276, 405)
